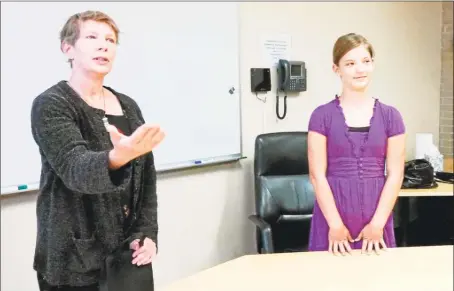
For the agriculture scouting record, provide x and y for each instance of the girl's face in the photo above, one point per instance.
(355, 68)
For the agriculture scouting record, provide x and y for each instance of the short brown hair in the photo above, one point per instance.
(71, 30)
(346, 43)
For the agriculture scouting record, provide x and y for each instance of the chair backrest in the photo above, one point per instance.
(283, 190)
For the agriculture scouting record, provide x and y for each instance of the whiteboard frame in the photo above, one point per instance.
(163, 169)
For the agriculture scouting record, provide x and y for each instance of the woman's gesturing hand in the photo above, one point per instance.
(140, 142)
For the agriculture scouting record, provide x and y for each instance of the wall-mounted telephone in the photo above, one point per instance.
(291, 78)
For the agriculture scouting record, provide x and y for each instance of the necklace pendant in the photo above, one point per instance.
(105, 121)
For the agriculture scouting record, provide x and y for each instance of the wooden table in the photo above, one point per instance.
(443, 189)
(400, 269)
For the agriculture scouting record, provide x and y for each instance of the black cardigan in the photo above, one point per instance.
(78, 209)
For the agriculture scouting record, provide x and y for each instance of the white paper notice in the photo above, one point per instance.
(275, 47)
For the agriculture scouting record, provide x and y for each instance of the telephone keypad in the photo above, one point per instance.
(297, 85)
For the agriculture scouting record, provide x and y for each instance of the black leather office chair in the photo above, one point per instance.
(283, 193)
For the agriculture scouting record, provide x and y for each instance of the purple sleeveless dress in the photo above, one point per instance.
(355, 170)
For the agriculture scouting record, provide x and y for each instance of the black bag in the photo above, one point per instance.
(444, 177)
(419, 174)
(119, 274)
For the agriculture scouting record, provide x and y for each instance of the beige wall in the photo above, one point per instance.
(407, 72)
(203, 213)
(446, 86)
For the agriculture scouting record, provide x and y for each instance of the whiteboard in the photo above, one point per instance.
(178, 61)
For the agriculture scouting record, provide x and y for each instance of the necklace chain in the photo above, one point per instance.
(104, 119)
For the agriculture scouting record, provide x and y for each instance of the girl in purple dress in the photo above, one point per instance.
(351, 138)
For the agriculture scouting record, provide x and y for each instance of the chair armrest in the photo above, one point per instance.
(265, 233)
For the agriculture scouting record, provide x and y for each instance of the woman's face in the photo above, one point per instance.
(355, 68)
(95, 50)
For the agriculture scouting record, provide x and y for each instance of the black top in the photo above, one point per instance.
(79, 217)
(122, 124)
(359, 129)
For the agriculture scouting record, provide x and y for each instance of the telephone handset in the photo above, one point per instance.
(291, 78)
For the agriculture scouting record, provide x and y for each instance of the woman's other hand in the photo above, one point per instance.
(143, 255)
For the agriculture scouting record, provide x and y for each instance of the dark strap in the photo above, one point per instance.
(88, 208)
